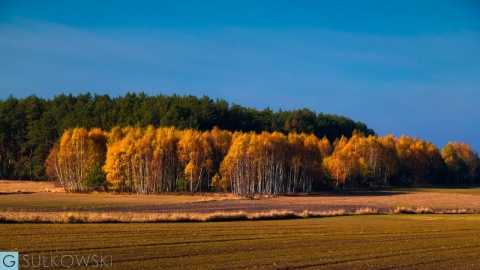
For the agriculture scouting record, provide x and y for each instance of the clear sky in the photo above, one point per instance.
(402, 67)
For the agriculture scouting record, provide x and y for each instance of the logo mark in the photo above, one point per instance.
(8, 260)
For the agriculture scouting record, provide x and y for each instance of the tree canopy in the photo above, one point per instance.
(153, 144)
(156, 160)
(29, 127)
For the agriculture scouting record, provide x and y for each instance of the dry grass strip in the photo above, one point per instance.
(132, 217)
(427, 210)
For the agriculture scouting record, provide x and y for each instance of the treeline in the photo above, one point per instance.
(377, 161)
(167, 159)
(30, 126)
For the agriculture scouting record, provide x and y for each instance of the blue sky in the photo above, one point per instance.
(402, 67)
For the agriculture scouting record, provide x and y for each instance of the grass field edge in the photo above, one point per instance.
(117, 217)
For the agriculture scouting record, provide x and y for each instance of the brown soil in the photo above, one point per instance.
(382, 201)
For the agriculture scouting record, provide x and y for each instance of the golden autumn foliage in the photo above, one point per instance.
(337, 164)
(142, 160)
(420, 161)
(272, 163)
(154, 160)
(462, 161)
(75, 156)
(166, 165)
(220, 142)
(196, 156)
(375, 160)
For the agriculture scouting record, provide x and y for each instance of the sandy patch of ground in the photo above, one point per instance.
(10, 186)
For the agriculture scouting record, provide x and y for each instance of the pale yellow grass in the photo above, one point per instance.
(132, 217)
(427, 210)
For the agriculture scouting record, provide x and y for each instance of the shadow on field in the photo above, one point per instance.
(18, 192)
